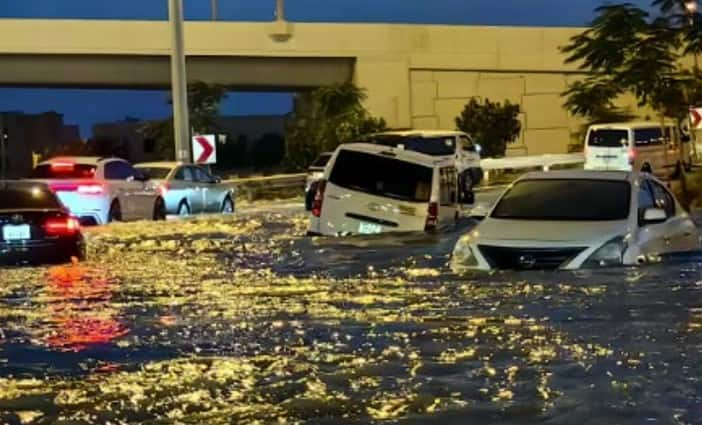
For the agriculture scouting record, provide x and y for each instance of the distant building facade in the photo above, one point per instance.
(30, 134)
(126, 134)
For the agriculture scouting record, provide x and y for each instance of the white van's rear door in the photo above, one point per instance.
(348, 211)
(371, 193)
(608, 149)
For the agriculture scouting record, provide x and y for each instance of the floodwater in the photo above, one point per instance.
(241, 319)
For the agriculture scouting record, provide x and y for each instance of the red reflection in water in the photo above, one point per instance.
(80, 310)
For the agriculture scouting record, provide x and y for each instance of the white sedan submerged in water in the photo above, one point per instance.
(578, 219)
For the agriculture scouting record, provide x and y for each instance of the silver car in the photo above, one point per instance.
(189, 189)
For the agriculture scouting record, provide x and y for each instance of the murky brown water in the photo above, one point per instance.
(242, 320)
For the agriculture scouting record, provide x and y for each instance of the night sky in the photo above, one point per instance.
(86, 107)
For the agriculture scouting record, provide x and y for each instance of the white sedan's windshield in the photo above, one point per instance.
(566, 200)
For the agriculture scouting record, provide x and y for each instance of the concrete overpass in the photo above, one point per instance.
(416, 76)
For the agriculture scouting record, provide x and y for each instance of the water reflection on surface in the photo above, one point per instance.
(239, 320)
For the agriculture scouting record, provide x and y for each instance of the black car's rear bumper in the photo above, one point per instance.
(42, 252)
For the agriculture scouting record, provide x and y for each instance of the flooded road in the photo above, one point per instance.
(241, 319)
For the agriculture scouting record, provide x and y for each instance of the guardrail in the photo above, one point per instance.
(252, 187)
(544, 162)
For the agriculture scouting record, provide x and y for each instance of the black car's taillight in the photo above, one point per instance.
(62, 226)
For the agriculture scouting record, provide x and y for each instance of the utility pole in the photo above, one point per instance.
(179, 83)
(4, 138)
(213, 8)
(280, 10)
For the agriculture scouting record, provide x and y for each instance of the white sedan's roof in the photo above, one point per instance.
(423, 133)
(580, 175)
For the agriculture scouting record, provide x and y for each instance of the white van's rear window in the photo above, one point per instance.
(382, 176)
(608, 138)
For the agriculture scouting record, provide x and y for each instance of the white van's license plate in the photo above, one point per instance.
(369, 228)
(15, 233)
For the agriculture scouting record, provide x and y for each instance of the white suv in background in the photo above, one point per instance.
(453, 144)
(101, 190)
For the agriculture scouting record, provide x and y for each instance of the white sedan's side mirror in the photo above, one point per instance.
(654, 215)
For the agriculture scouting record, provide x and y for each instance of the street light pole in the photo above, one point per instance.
(179, 83)
(213, 7)
(280, 10)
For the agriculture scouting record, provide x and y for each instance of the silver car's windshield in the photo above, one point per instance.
(566, 200)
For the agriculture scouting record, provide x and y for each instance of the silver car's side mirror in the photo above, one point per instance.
(654, 216)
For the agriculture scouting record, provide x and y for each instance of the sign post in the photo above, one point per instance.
(695, 120)
(205, 149)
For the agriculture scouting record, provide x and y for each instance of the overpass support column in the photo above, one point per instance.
(387, 84)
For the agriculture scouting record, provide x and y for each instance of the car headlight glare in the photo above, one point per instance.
(608, 255)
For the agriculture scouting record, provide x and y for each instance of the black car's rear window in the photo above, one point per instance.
(566, 200)
(608, 138)
(64, 171)
(27, 197)
(382, 176)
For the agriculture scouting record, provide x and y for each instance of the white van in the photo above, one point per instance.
(369, 189)
(438, 143)
(637, 146)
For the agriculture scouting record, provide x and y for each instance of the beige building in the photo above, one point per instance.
(416, 75)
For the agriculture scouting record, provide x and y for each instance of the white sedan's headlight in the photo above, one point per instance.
(463, 256)
(608, 255)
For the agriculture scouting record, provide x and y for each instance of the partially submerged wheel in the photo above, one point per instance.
(159, 210)
(227, 206)
(115, 213)
(183, 209)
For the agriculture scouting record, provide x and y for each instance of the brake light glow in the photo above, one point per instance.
(62, 166)
(62, 226)
(319, 199)
(90, 189)
(432, 216)
(163, 189)
(83, 189)
(632, 156)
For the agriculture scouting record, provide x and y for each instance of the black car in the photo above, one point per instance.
(35, 227)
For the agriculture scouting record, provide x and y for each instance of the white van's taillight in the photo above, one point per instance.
(632, 156)
(432, 216)
(319, 198)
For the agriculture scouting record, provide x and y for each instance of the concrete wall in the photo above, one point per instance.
(415, 75)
